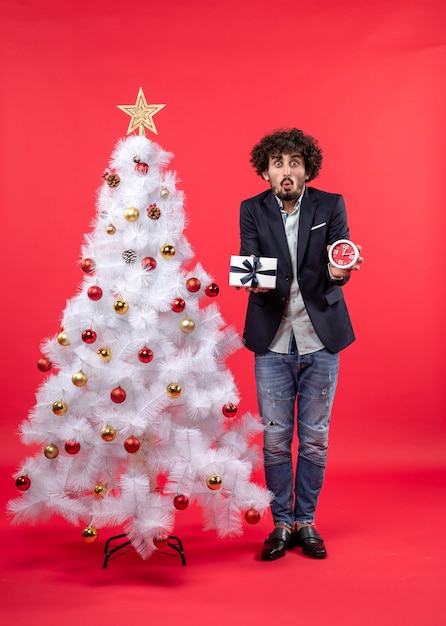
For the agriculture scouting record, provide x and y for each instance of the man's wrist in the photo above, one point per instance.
(332, 276)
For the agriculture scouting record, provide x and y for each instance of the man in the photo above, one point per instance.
(296, 330)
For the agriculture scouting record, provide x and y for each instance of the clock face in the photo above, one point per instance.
(343, 254)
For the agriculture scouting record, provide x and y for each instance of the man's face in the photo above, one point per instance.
(286, 175)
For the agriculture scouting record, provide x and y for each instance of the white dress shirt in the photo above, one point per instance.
(295, 317)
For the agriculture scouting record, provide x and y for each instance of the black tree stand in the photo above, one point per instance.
(174, 543)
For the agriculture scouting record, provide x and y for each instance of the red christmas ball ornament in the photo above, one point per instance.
(142, 168)
(72, 447)
(229, 410)
(87, 266)
(118, 395)
(252, 516)
(89, 336)
(94, 293)
(145, 355)
(148, 263)
(132, 444)
(23, 483)
(181, 502)
(193, 284)
(161, 540)
(178, 305)
(44, 365)
(212, 290)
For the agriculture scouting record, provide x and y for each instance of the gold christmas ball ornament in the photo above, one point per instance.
(51, 451)
(121, 307)
(187, 325)
(131, 214)
(105, 354)
(99, 490)
(108, 433)
(62, 338)
(164, 193)
(79, 379)
(174, 390)
(214, 482)
(89, 534)
(111, 229)
(168, 251)
(60, 407)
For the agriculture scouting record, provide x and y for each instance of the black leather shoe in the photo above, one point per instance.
(310, 541)
(276, 544)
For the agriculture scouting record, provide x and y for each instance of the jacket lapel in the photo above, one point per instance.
(275, 222)
(307, 211)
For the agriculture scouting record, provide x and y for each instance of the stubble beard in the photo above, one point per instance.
(287, 196)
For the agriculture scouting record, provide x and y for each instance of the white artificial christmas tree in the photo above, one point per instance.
(138, 414)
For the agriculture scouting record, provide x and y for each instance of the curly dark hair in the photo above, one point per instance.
(286, 141)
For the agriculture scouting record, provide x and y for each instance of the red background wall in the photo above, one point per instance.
(367, 79)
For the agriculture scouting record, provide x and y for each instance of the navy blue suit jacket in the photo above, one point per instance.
(322, 221)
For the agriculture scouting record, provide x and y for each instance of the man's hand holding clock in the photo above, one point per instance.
(345, 257)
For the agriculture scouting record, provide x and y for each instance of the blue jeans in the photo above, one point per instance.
(281, 380)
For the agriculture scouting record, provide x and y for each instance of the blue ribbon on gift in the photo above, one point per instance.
(253, 270)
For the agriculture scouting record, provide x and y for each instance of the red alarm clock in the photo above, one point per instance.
(343, 254)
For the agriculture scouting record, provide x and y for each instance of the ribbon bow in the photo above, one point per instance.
(252, 269)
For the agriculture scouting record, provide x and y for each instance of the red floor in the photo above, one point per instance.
(386, 543)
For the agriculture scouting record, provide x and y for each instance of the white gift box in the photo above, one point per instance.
(248, 271)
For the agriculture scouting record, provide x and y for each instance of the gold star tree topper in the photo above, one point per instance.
(141, 114)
